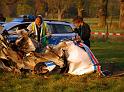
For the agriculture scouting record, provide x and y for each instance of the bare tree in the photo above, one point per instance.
(37, 6)
(102, 13)
(122, 14)
(58, 6)
(82, 7)
(40, 7)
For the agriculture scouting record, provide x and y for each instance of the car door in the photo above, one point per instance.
(60, 32)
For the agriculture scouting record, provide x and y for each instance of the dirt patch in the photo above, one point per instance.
(113, 68)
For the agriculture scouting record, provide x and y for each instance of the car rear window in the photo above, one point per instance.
(59, 28)
(19, 27)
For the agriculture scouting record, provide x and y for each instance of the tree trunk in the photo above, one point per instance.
(122, 14)
(102, 13)
(79, 12)
(102, 22)
(60, 12)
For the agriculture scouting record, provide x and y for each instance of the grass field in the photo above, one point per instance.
(109, 54)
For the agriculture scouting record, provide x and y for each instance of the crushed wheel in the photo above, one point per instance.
(40, 68)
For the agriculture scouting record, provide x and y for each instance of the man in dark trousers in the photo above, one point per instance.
(83, 30)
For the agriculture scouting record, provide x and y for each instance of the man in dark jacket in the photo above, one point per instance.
(83, 30)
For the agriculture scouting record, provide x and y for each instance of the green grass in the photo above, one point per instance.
(112, 52)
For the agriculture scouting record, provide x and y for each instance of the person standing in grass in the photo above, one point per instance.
(83, 30)
(39, 31)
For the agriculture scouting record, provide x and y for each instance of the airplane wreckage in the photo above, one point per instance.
(68, 56)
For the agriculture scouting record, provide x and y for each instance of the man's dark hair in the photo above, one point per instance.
(40, 17)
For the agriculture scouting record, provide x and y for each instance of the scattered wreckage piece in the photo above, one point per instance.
(76, 59)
